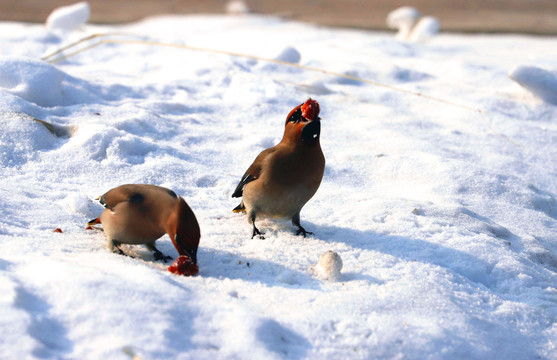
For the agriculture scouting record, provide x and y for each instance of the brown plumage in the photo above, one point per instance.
(140, 214)
(283, 178)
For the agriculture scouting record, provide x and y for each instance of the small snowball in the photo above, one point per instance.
(540, 82)
(290, 55)
(328, 267)
(237, 7)
(69, 17)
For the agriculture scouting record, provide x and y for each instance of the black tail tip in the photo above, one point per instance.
(94, 221)
(239, 208)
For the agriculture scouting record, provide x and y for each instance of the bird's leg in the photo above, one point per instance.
(157, 253)
(296, 222)
(116, 245)
(255, 229)
(160, 256)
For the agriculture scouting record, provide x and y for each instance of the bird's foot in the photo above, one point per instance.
(160, 256)
(258, 233)
(303, 232)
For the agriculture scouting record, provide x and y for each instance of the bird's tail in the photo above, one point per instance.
(94, 221)
(239, 208)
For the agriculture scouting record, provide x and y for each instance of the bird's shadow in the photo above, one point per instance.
(409, 249)
(221, 264)
(226, 265)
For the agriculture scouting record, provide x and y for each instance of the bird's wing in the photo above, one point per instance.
(120, 194)
(253, 172)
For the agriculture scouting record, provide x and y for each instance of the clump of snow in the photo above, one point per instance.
(328, 267)
(427, 27)
(289, 54)
(411, 25)
(540, 82)
(403, 19)
(69, 17)
(237, 7)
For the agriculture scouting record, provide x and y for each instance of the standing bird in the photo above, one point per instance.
(140, 214)
(283, 178)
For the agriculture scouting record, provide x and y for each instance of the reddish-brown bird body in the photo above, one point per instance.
(283, 178)
(140, 214)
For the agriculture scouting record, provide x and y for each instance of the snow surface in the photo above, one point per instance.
(445, 218)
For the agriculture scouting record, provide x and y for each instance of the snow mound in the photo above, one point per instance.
(290, 55)
(236, 7)
(69, 17)
(40, 83)
(411, 25)
(540, 82)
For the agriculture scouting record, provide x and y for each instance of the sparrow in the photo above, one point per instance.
(140, 214)
(283, 178)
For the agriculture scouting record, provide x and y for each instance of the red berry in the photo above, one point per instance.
(183, 266)
(310, 109)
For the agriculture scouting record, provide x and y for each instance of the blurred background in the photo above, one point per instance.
(519, 16)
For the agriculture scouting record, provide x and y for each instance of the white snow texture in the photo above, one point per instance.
(445, 217)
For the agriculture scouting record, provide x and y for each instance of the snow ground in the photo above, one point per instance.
(445, 218)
